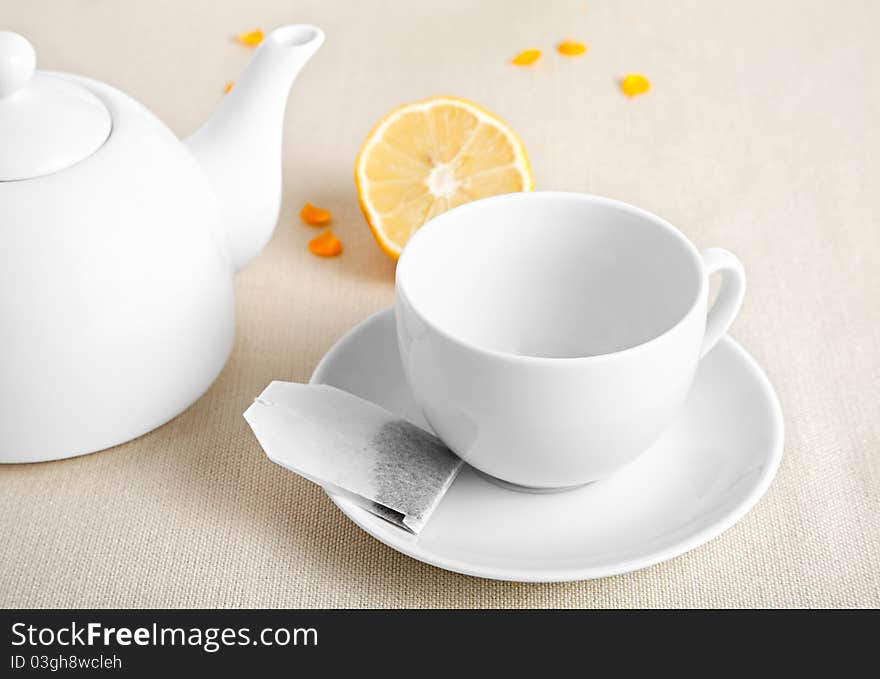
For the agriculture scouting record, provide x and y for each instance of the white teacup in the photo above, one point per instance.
(549, 338)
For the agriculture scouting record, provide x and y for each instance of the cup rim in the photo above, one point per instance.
(563, 195)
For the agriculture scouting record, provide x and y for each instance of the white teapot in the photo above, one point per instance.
(118, 243)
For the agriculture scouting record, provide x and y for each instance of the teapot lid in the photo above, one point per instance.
(47, 123)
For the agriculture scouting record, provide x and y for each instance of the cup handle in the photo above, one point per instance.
(730, 296)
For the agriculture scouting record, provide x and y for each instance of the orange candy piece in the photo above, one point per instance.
(571, 48)
(326, 245)
(251, 39)
(228, 87)
(526, 58)
(635, 84)
(314, 215)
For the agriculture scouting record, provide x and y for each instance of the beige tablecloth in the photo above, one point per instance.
(761, 135)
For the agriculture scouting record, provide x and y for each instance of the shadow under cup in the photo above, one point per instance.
(550, 338)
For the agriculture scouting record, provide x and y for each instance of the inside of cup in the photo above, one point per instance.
(550, 275)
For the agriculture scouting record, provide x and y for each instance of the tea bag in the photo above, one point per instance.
(384, 463)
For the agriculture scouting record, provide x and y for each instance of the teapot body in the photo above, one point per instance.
(116, 292)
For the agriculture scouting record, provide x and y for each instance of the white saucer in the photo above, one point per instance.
(706, 472)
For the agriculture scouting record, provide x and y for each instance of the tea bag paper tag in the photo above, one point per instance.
(386, 464)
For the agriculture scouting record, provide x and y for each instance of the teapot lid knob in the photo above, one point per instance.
(48, 121)
(17, 62)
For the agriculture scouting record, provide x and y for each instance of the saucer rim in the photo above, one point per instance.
(546, 575)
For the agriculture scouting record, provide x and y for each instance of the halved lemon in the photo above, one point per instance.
(430, 156)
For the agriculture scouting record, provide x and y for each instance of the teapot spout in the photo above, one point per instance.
(239, 147)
